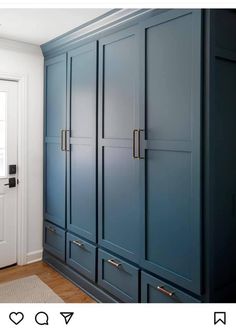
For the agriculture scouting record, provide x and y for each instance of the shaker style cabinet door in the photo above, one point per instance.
(81, 169)
(118, 180)
(55, 155)
(170, 146)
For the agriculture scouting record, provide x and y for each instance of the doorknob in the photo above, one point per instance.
(11, 183)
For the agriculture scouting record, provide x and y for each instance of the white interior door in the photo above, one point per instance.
(8, 156)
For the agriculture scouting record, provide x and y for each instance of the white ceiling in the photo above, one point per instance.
(37, 26)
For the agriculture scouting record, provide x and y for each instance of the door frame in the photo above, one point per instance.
(22, 164)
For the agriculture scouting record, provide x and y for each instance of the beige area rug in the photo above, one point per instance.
(27, 290)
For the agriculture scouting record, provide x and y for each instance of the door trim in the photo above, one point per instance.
(22, 164)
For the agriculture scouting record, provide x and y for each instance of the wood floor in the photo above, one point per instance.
(61, 286)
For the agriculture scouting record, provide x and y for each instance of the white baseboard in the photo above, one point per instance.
(34, 256)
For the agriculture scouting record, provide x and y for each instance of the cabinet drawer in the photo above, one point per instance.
(118, 277)
(54, 240)
(81, 256)
(155, 291)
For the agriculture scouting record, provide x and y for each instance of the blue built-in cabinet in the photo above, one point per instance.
(82, 123)
(171, 166)
(133, 166)
(55, 122)
(118, 171)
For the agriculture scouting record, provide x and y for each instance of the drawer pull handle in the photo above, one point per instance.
(166, 292)
(114, 263)
(78, 243)
(52, 230)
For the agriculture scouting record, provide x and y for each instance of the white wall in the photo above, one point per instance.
(25, 59)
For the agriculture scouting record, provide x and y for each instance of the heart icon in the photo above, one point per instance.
(16, 317)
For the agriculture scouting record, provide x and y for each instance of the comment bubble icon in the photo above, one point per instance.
(41, 318)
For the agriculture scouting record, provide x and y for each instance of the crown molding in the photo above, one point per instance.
(112, 18)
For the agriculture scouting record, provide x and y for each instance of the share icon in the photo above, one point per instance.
(67, 316)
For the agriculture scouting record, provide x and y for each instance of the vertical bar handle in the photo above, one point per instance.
(63, 147)
(139, 144)
(134, 135)
(67, 133)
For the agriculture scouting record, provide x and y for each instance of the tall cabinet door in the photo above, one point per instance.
(55, 157)
(118, 203)
(170, 117)
(81, 174)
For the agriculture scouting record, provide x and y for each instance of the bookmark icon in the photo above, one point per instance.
(67, 316)
(220, 317)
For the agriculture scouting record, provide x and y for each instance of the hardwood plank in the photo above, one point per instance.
(65, 289)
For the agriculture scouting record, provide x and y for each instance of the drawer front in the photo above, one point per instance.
(118, 277)
(54, 240)
(81, 256)
(155, 291)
